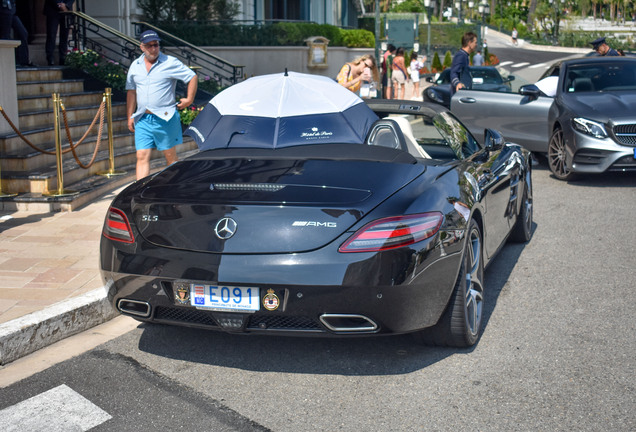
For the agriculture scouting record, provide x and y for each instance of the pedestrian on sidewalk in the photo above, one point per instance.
(460, 73)
(150, 101)
(9, 20)
(387, 61)
(602, 48)
(353, 74)
(398, 74)
(478, 59)
(55, 20)
(514, 36)
(416, 65)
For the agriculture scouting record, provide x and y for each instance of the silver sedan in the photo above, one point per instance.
(586, 125)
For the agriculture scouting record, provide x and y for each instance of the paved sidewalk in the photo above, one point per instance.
(50, 285)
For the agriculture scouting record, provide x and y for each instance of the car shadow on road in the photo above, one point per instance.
(607, 179)
(350, 356)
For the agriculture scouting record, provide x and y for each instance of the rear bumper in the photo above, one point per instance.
(397, 291)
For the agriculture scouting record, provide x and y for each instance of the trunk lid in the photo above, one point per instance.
(262, 206)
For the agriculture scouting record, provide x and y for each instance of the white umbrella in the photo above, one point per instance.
(282, 110)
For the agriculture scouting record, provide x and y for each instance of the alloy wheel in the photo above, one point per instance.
(556, 156)
(474, 283)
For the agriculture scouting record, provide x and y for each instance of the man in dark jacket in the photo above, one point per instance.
(9, 20)
(460, 74)
(54, 18)
(602, 48)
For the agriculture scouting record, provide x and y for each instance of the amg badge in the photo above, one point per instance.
(314, 224)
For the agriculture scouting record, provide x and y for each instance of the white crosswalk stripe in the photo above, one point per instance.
(518, 65)
(506, 63)
(538, 65)
(60, 409)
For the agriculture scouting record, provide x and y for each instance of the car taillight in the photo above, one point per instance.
(393, 232)
(117, 227)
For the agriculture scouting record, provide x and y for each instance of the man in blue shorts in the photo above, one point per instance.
(150, 101)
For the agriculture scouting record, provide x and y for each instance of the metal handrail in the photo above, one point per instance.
(89, 33)
(210, 65)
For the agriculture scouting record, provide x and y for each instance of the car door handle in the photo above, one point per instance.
(467, 100)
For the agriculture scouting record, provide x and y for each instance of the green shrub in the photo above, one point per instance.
(277, 34)
(357, 38)
(437, 64)
(448, 59)
(108, 71)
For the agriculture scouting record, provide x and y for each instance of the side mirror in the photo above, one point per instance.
(530, 90)
(511, 78)
(493, 140)
(430, 79)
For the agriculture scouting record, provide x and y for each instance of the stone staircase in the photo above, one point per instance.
(32, 174)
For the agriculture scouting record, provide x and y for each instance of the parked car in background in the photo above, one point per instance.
(485, 78)
(306, 229)
(588, 126)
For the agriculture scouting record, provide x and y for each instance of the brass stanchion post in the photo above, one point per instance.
(2, 194)
(111, 146)
(58, 152)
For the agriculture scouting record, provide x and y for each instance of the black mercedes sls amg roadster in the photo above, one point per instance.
(387, 235)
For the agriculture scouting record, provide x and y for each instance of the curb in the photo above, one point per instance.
(27, 334)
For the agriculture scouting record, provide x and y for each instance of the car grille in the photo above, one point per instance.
(626, 163)
(626, 134)
(280, 322)
(255, 322)
(184, 315)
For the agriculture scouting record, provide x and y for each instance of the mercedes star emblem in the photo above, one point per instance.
(225, 228)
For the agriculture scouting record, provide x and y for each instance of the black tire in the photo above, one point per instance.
(522, 231)
(556, 156)
(461, 324)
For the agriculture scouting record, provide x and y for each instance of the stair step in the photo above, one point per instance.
(31, 88)
(31, 160)
(39, 74)
(40, 102)
(43, 118)
(45, 180)
(87, 190)
(45, 137)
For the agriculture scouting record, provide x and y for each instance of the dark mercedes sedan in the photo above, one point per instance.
(586, 125)
(387, 235)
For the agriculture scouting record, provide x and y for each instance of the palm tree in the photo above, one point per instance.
(531, 8)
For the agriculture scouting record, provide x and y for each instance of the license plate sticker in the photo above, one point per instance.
(224, 298)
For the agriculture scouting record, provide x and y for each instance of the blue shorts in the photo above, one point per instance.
(152, 132)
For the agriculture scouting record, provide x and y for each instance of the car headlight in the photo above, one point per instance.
(589, 127)
(432, 94)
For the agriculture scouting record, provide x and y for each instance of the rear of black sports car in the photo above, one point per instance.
(324, 240)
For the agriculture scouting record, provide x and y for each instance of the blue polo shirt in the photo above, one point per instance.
(156, 88)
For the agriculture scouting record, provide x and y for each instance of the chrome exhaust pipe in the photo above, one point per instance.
(134, 307)
(348, 323)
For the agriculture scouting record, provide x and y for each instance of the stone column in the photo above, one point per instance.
(9, 93)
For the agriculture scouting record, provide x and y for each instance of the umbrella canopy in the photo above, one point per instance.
(282, 110)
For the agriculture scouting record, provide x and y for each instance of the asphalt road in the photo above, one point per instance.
(558, 352)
